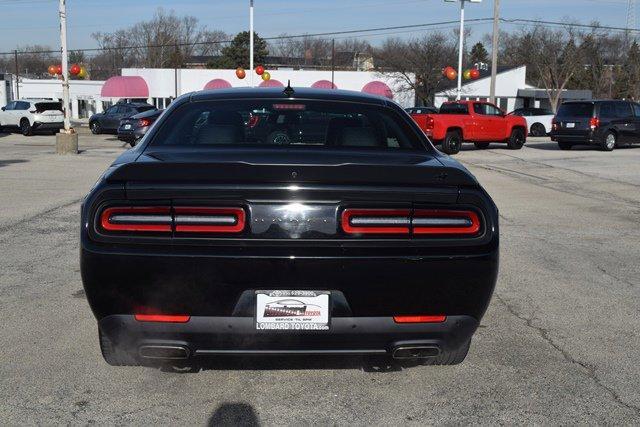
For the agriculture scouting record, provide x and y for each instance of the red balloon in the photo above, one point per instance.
(75, 69)
(452, 74)
(445, 70)
(52, 70)
(475, 73)
(259, 70)
(240, 73)
(59, 69)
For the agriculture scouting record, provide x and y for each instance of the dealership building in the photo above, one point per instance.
(160, 86)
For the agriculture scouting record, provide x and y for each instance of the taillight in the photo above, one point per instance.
(445, 222)
(429, 123)
(376, 221)
(554, 124)
(419, 222)
(209, 220)
(594, 122)
(420, 319)
(137, 218)
(254, 119)
(144, 122)
(180, 219)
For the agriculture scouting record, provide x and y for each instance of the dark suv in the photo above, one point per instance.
(607, 124)
(109, 121)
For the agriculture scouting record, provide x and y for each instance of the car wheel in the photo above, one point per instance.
(95, 128)
(538, 129)
(113, 355)
(564, 145)
(516, 140)
(609, 142)
(133, 142)
(452, 142)
(481, 145)
(25, 127)
(453, 357)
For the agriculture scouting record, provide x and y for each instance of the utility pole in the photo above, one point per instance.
(15, 57)
(494, 50)
(251, 42)
(333, 62)
(460, 50)
(66, 141)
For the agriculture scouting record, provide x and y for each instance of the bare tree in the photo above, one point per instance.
(416, 65)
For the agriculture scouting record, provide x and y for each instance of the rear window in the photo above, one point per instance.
(145, 108)
(576, 110)
(454, 108)
(48, 106)
(286, 123)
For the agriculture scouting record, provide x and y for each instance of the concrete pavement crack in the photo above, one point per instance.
(590, 370)
(21, 221)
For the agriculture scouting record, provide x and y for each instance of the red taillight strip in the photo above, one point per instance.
(209, 219)
(137, 218)
(165, 318)
(420, 319)
(445, 222)
(376, 221)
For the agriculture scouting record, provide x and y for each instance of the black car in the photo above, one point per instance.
(606, 123)
(109, 121)
(131, 130)
(422, 110)
(205, 240)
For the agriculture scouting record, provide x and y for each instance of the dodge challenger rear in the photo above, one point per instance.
(267, 222)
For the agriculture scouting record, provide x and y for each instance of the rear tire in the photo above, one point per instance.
(133, 143)
(114, 356)
(516, 140)
(454, 357)
(452, 143)
(564, 145)
(95, 128)
(481, 145)
(609, 142)
(25, 127)
(538, 129)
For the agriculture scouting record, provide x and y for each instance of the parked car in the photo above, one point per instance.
(421, 110)
(205, 242)
(473, 121)
(605, 123)
(28, 116)
(109, 120)
(131, 130)
(539, 120)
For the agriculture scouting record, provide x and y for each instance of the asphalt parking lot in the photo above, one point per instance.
(559, 343)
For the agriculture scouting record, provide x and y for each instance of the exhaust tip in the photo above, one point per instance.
(415, 352)
(166, 352)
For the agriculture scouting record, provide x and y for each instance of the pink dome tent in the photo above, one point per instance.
(379, 88)
(271, 83)
(217, 84)
(324, 84)
(125, 87)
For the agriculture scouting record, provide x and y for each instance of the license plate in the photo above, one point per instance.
(570, 125)
(292, 310)
(127, 127)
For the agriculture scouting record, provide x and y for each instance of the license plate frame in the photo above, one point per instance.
(570, 125)
(292, 310)
(127, 126)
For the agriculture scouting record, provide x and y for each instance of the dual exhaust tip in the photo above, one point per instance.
(179, 352)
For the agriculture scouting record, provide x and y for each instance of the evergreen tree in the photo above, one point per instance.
(236, 54)
(479, 54)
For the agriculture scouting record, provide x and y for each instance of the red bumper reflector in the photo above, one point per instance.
(166, 318)
(419, 319)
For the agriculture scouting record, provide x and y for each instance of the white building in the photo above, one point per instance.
(512, 90)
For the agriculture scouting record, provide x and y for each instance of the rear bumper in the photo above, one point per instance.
(584, 137)
(131, 135)
(203, 337)
(47, 125)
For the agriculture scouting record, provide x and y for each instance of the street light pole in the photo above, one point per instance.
(66, 141)
(251, 42)
(494, 50)
(460, 50)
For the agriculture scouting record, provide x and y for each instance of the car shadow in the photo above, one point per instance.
(234, 414)
(4, 163)
(553, 146)
(372, 364)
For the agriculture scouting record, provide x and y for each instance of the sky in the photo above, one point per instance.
(28, 22)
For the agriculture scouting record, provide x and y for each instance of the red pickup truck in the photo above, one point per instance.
(472, 121)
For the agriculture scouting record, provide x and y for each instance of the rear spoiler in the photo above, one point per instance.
(434, 174)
